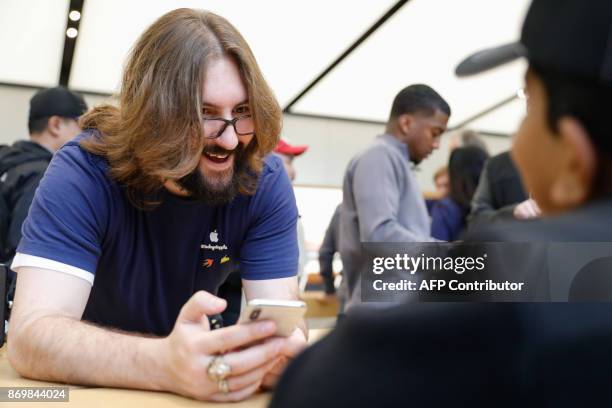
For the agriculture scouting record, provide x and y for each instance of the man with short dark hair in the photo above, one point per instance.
(382, 201)
(52, 122)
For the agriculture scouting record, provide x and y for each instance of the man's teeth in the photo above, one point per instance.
(218, 156)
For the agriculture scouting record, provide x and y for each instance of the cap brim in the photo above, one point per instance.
(490, 58)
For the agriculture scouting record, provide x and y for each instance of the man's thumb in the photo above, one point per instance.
(200, 304)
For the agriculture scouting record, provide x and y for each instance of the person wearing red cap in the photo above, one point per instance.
(289, 152)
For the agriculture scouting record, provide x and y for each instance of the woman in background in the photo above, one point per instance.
(449, 214)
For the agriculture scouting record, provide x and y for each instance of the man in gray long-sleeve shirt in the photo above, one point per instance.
(382, 201)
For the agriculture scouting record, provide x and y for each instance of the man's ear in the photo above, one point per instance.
(405, 122)
(573, 185)
(53, 125)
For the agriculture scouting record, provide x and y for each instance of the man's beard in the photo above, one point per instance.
(217, 189)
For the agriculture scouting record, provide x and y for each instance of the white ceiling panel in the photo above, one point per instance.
(292, 40)
(506, 119)
(32, 41)
(423, 43)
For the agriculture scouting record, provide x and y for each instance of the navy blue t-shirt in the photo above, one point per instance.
(145, 264)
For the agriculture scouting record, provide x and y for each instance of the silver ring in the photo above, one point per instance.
(223, 386)
(218, 369)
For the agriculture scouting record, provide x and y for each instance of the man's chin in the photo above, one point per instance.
(218, 181)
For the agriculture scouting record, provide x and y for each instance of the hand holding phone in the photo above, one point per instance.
(285, 313)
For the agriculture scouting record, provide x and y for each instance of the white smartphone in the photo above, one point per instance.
(286, 313)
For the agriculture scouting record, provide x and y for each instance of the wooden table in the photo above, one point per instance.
(117, 398)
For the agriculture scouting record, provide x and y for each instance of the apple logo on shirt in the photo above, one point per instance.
(214, 236)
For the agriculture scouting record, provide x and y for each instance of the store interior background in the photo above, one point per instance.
(334, 66)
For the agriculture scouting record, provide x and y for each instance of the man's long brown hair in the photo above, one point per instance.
(155, 133)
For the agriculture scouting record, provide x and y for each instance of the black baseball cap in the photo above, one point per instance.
(57, 101)
(569, 37)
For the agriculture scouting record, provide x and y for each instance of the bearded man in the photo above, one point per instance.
(140, 219)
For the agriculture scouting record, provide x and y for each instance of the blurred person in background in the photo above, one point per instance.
(500, 194)
(449, 214)
(141, 218)
(52, 122)
(288, 153)
(441, 183)
(329, 247)
(382, 201)
(467, 137)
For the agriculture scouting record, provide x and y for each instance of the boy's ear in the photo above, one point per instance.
(574, 183)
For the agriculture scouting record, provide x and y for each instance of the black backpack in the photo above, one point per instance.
(10, 157)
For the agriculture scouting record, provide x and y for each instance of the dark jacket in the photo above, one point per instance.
(18, 184)
(499, 190)
(330, 245)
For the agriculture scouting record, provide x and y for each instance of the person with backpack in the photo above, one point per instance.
(52, 122)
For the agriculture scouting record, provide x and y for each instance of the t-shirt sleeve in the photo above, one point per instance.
(66, 222)
(270, 249)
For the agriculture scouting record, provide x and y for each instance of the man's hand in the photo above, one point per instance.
(292, 346)
(189, 349)
(526, 210)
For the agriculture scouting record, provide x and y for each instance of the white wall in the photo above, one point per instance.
(332, 142)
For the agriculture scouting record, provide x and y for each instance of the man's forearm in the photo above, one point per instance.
(57, 348)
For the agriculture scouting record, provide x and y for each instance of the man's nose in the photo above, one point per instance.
(228, 139)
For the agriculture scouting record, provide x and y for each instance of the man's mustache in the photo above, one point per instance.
(217, 150)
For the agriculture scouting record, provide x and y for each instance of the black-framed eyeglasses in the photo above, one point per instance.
(214, 127)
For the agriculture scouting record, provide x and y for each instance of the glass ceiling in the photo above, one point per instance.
(294, 41)
(423, 43)
(32, 41)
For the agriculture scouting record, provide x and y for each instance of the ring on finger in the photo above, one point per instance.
(223, 386)
(218, 369)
